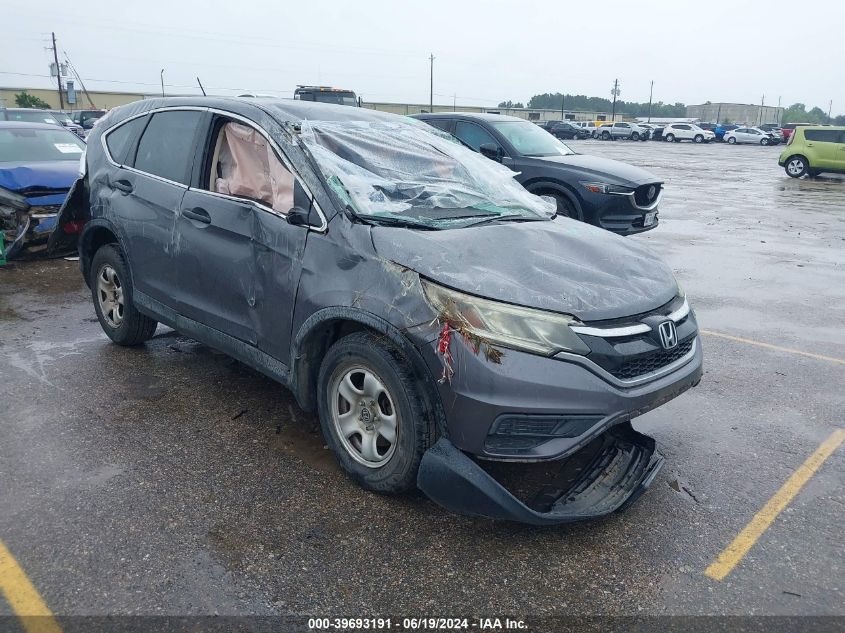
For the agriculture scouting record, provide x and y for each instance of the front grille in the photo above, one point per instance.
(652, 362)
(645, 195)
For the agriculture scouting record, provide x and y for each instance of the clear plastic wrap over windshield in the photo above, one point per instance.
(406, 167)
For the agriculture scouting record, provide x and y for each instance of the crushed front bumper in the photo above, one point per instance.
(605, 476)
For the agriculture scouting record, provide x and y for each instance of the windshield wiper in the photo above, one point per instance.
(506, 218)
(379, 220)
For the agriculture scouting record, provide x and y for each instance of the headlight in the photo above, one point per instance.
(603, 187)
(12, 200)
(507, 325)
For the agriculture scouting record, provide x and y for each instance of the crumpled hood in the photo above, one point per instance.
(54, 174)
(561, 265)
(602, 169)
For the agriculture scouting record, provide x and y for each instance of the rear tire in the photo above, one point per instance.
(605, 136)
(391, 426)
(669, 138)
(111, 290)
(796, 166)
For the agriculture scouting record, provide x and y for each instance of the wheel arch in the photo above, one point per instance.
(323, 328)
(97, 233)
(540, 186)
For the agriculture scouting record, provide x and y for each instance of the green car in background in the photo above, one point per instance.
(814, 149)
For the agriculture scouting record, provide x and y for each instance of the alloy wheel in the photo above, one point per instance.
(364, 416)
(110, 296)
(795, 167)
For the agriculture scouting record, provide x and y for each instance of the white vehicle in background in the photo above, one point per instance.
(751, 135)
(676, 132)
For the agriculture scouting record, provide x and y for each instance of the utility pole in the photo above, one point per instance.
(454, 101)
(779, 115)
(615, 93)
(650, 94)
(431, 85)
(562, 103)
(829, 110)
(162, 81)
(58, 74)
(762, 101)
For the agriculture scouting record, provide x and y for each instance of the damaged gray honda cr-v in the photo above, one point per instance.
(450, 335)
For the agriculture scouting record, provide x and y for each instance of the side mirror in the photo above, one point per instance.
(87, 124)
(299, 217)
(491, 151)
(300, 214)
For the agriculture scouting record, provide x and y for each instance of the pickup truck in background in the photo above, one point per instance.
(621, 129)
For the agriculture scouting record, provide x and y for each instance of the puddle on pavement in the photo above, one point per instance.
(300, 436)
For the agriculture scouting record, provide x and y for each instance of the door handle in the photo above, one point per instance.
(197, 213)
(122, 185)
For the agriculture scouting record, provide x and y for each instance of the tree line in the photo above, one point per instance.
(557, 101)
(796, 113)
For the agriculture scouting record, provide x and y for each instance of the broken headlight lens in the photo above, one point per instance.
(603, 187)
(12, 200)
(525, 329)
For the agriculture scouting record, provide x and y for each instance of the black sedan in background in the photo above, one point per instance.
(610, 194)
(564, 130)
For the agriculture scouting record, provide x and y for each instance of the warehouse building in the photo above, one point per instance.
(106, 100)
(741, 113)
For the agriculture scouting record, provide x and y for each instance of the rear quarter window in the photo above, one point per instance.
(822, 136)
(119, 139)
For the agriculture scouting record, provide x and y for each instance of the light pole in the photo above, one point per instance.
(615, 92)
(650, 93)
(162, 81)
(431, 85)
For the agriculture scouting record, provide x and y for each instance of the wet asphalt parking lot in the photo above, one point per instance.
(170, 479)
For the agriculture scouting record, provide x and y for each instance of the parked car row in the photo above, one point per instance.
(36, 115)
(767, 134)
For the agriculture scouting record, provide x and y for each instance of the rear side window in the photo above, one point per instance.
(822, 136)
(440, 124)
(473, 135)
(166, 148)
(119, 139)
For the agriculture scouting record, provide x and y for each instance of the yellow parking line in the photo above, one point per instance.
(777, 348)
(23, 597)
(745, 540)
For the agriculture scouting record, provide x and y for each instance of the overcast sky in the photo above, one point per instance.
(484, 52)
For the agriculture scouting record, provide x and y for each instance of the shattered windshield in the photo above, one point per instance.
(530, 140)
(407, 172)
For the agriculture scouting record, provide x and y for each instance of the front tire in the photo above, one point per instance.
(764, 141)
(796, 166)
(635, 136)
(373, 412)
(732, 140)
(669, 138)
(605, 136)
(111, 290)
(698, 138)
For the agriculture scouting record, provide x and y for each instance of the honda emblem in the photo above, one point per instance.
(668, 334)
